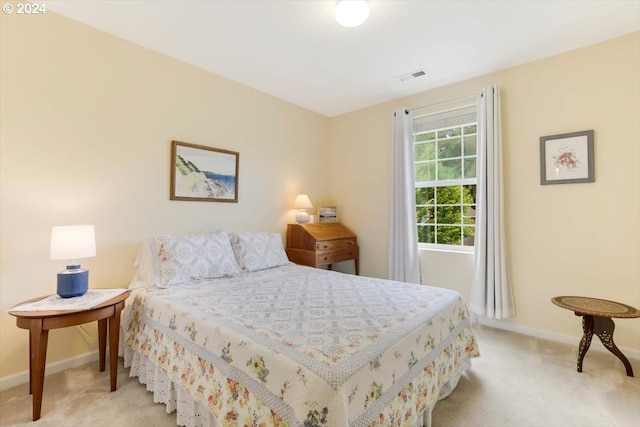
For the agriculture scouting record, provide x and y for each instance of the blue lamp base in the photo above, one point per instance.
(73, 282)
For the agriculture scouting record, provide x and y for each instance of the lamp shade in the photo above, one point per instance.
(72, 242)
(302, 202)
(351, 13)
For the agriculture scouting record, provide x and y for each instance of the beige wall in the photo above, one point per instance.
(87, 123)
(578, 239)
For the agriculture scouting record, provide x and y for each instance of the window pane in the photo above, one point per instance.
(469, 236)
(469, 194)
(470, 145)
(426, 234)
(424, 195)
(424, 215)
(449, 148)
(429, 136)
(425, 171)
(449, 132)
(421, 213)
(470, 129)
(449, 169)
(469, 214)
(470, 167)
(449, 235)
(448, 215)
(448, 195)
(424, 151)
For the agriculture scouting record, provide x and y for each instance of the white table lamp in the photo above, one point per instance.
(73, 242)
(302, 204)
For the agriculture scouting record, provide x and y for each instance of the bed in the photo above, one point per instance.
(222, 328)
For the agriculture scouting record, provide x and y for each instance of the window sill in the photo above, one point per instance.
(446, 248)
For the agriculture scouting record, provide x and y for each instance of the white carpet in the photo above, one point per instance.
(518, 381)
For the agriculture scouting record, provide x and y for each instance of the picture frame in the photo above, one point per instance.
(327, 214)
(567, 158)
(203, 174)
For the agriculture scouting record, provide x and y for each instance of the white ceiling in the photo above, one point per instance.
(295, 50)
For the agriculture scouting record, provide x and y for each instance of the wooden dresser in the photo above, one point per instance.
(321, 244)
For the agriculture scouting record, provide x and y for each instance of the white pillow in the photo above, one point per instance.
(147, 273)
(258, 251)
(183, 258)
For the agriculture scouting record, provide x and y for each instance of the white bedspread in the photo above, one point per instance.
(296, 346)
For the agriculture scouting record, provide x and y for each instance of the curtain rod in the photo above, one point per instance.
(406, 111)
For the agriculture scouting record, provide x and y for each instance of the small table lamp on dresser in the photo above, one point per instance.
(302, 203)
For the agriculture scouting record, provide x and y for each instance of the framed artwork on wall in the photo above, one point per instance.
(204, 174)
(327, 214)
(567, 158)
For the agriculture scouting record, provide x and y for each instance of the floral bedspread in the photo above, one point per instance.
(297, 346)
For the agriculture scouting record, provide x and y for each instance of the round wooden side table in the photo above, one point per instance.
(40, 322)
(597, 317)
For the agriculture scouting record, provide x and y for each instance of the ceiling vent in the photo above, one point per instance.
(413, 75)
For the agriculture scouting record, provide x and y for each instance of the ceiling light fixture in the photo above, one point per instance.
(351, 13)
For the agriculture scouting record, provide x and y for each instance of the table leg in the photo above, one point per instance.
(603, 328)
(31, 360)
(38, 339)
(114, 335)
(585, 342)
(102, 342)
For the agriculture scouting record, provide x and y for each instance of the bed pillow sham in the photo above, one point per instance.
(183, 258)
(147, 271)
(258, 250)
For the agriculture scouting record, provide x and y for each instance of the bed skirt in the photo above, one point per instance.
(191, 413)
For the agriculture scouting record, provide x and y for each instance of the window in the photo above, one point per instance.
(445, 177)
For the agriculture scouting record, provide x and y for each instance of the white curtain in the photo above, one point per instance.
(491, 294)
(403, 236)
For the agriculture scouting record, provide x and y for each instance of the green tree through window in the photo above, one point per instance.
(445, 175)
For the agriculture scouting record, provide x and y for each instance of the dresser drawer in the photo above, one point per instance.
(337, 255)
(330, 245)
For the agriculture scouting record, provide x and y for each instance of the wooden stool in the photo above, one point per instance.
(597, 317)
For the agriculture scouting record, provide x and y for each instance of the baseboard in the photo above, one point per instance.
(20, 378)
(596, 345)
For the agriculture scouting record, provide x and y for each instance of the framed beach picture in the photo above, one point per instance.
(327, 214)
(567, 158)
(204, 174)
